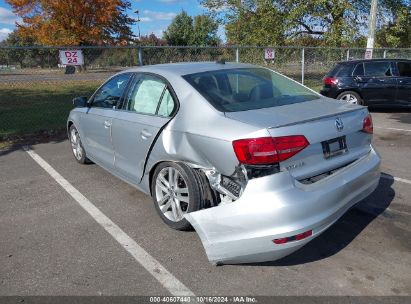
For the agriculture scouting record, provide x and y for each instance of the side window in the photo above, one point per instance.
(382, 68)
(344, 71)
(111, 92)
(145, 95)
(166, 105)
(359, 70)
(404, 68)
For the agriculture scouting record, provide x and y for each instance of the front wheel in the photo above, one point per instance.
(351, 97)
(77, 146)
(175, 192)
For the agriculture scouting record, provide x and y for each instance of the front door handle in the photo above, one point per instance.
(145, 134)
(107, 124)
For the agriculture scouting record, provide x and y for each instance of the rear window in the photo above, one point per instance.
(234, 90)
(382, 68)
(359, 70)
(404, 68)
(341, 70)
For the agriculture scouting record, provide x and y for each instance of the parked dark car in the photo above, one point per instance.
(372, 82)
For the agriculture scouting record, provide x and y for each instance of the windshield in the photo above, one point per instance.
(245, 89)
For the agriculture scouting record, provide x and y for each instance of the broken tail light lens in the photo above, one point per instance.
(331, 81)
(268, 150)
(297, 237)
(367, 125)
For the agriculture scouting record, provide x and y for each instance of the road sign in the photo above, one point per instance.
(368, 54)
(71, 57)
(269, 54)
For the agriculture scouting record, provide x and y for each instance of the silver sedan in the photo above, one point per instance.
(258, 164)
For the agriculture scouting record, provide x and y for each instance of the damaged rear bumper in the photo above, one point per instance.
(278, 206)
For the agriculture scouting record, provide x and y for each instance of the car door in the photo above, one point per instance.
(148, 106)
(378, 86)
(97, 121)
(404, 83)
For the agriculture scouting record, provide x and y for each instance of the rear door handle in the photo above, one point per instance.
(107, 124)
(145, 134)
(359, 79)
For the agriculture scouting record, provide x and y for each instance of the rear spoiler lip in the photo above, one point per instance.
(360, 108)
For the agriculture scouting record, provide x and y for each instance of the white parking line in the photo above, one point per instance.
(402, 180)
(170, 282)
(394, 129)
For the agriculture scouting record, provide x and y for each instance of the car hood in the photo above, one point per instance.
(293, 113)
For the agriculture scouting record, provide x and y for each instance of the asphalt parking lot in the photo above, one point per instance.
(51, 245)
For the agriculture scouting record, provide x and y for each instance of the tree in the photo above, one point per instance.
(180, 31)
(17, 55)
(204, 31)
(151, 39)
(27, 57)
(74, 22)
(183, 30)
(397, 32)
(323, 22)
(335, 22)
(255, 24)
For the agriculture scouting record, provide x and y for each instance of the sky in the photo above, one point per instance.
(155, 15)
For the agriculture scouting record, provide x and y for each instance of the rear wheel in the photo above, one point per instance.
(351, 97)
(175, 192)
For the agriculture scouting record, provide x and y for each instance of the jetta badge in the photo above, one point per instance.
(339, 125)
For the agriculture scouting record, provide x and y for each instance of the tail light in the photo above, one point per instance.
(297, 237)
(367, 125)
(331, 81)
(268, 150)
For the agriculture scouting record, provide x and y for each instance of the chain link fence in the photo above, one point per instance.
(36, 92)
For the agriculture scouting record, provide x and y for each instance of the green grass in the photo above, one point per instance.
(33, 107)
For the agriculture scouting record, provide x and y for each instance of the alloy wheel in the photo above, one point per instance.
(76, 144)
(172, 194)
(350, 98)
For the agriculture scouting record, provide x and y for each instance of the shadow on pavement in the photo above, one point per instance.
(18, 142)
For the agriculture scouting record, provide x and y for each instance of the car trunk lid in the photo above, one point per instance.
(332, 146)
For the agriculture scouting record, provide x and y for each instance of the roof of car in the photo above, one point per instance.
(372, 60)
(185, 68)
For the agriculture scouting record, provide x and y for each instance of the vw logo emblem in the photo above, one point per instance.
(339, 125)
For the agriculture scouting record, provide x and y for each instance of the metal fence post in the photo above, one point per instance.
(237, 55)
(348, 54)
(302, 66)
(140, 56)
(385, 54)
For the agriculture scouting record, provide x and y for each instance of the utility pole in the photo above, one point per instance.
(138, 23)
(371, 29)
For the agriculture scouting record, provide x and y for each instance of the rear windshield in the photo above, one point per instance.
(234, 90)
(341, 70)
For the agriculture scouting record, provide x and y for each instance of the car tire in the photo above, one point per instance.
(76, 145)
(184, 184)
(351, 97)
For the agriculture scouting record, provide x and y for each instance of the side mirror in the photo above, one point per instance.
(80, 101)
